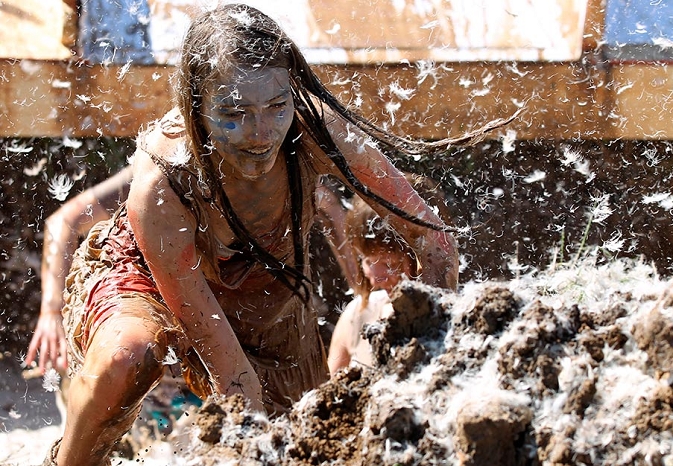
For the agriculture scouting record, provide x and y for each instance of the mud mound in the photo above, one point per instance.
(567, 367)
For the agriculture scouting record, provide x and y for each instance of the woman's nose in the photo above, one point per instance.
(259, 128)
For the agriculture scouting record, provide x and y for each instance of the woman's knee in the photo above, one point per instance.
(128, 364)
(113, 382)
(125, 354)
(139, 363)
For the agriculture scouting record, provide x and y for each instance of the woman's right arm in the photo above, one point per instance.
(165, 232)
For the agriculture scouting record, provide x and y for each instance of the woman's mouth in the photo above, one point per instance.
(257, 151)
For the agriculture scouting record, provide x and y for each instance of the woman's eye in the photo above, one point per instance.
(229, 113)
(279, 105)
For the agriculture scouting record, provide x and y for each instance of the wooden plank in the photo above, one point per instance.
(560, 100)
(35, 29)
(642, 101)
(594, 25)
(56, 99)
(331, 31)
(460, 30)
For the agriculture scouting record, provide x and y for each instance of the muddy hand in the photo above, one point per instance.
(439, 260)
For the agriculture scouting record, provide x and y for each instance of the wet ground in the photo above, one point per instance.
(567, 367)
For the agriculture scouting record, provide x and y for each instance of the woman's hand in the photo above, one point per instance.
(437, 254)
(48, 345)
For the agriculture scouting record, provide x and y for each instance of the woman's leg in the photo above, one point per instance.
(124, 361)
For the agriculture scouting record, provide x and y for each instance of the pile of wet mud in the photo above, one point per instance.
(570, 366)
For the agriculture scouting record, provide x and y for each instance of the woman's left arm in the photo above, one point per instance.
(437, 251)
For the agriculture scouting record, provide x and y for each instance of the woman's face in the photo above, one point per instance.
(248, 114)
(384, 268)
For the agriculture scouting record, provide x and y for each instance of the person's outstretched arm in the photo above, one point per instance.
(62, 231)
(436, 251)
(340, 349)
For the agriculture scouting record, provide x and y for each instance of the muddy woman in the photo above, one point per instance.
(206, 262)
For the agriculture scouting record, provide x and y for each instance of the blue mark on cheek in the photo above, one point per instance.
(230, 125)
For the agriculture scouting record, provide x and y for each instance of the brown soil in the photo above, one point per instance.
(341, 422)
(350, 421)
(489, 433)
(654, 335)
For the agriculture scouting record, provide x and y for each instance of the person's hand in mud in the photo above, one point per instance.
(61, 234)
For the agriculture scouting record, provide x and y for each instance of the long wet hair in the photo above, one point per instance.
(236, 35)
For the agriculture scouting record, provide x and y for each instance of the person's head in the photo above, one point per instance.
(384, 265)
(234, 55)
(234, 86)
(385, 257)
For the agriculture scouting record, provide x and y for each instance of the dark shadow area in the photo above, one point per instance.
(536, 202)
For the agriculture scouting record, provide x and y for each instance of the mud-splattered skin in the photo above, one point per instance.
(249, 118)
(247, 115)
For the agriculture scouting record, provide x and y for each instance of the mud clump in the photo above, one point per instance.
(654, 335)
(537, 353)
(655, 413)
(222, 430)
(488, 433)
(493, 311)
(329, 426)
(418, 317)
(580, 397)
(555, 369)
